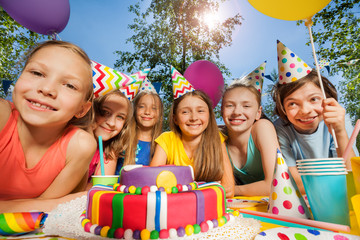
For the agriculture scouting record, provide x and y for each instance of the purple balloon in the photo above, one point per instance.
(41, 16)
(206, 76)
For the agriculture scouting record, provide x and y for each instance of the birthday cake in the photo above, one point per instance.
(155, 202)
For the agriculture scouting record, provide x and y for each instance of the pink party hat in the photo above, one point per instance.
(106, 79)
(255, 78)
(146, 86)
(291, 67)
(285, 198)
(181, 86)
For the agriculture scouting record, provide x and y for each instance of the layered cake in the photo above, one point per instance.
(154, 202)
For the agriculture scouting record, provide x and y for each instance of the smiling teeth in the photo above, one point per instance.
(306, 120)
(41, 106)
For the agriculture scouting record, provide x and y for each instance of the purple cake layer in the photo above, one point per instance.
(142, 176)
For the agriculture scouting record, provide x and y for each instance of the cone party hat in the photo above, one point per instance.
(106, 79)
(285, 198)
(181, 86)
(146, 86)
(133, 89)
(255, 78)
(291, 67)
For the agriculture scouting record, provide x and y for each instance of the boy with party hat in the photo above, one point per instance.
(194, 138)
(305, 116)
(251, 141)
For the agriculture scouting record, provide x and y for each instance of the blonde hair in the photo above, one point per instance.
(116, 146)
(85, 121)
(156, 131)
(281, 91)
(208, 158)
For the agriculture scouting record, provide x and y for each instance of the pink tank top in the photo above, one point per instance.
(19, 182)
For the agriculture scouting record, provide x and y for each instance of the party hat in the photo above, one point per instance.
(141, 75)
(255, 78)
(291, 67)
(285, 198)
(20, 223)
(106, 79)
(146, 86)
(181, 86)
(131, 90)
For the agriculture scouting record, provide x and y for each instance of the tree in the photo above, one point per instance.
(268, 104)
(14, 41)
(337, 32)
(175, 32)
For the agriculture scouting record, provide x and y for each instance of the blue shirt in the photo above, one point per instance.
(252, 171)
(295, 145)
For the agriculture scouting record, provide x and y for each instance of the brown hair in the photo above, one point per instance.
(156, 131)
(85, 121)
(115, 147)
(281, 91)
(208, 158)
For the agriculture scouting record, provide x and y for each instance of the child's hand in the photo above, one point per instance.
(334, 115)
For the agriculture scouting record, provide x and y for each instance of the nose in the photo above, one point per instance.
(110, 121)
(48, 88)
(193, 116)
(147, 110)
(306, 108)
(237, 110)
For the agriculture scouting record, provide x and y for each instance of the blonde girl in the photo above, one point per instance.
(251, 142)
(44, 151)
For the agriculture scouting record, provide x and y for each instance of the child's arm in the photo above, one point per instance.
(334, 117)
(159, 157)
(80, 151)
(227, 181)
(265, 139)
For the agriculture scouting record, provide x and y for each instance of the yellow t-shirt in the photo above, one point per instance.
(174, 149)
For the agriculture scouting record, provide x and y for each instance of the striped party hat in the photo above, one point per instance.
(131, 90)
(146, 86)
(141, 75)
(255, 78)
(20, 222)
(106, 79)
(291, 67)
(181, 86)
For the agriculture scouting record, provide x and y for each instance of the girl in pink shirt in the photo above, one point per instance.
(44, 151)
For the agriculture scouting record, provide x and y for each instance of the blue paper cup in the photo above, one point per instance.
(327, 195)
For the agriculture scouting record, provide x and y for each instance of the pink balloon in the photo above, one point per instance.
(41, 16)
(206, 76)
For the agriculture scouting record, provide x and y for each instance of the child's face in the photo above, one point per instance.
(304, 109)
(192, 116)
(115, 109)
(51, 89)
(147, 111)
(240, 109)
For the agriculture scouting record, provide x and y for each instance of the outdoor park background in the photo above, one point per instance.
(101, 28)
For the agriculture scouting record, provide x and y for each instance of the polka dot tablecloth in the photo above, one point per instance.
(291, 233)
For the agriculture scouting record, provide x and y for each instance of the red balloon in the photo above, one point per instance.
(41, 16)
(206, 76)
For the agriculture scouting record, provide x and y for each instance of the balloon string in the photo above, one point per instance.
(320, 79)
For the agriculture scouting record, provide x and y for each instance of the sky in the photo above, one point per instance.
(101, 28)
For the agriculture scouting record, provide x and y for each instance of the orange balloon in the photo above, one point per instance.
(291, 10)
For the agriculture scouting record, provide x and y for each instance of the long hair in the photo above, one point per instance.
(281, 91)
(85, 121)
(156, 131)
(116, 146)
(208, 158)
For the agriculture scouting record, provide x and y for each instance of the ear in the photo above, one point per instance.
(258, 114)
(84, 109)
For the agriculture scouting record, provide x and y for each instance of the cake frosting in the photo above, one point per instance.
(158, 201)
